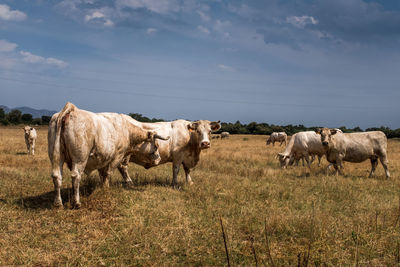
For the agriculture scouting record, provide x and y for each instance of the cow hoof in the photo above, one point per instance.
(76, 206)
(58, 205)
(190, 183)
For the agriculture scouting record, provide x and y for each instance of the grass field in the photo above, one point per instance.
(307, 217)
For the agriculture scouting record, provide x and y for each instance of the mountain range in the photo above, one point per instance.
(36, 113)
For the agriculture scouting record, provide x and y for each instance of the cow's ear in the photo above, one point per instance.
(318, 131)
(193, 126)
(215, 125)
(333, 131)
(31, 128)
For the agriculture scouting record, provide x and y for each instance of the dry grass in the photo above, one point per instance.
(309, 218)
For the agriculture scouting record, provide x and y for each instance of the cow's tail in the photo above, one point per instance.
(61, 119)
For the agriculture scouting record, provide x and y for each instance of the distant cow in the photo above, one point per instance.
(224, 135)
(301, 146)
(30, 139)
(89, 141)
(215, 137)
(354, 147)
(277, 137)
(187, 140)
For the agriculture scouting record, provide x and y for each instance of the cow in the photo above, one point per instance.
(88, 141)
(187, 140)
(277, 137)
(354, 147)
(302, 145)
(215, 137)
(30, 139)
(225, 135)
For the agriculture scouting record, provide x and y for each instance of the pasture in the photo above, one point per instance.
(270, 216)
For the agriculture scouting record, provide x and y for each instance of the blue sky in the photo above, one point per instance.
(326, 63)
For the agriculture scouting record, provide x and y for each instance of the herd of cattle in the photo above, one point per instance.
(88, 141)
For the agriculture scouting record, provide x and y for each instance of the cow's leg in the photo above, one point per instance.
(340, 166)
(104, 175)
(175, 171)
(308, 161)
(57, 180)
(281, 143)
(384, 161)
(319, 161)
(187, 174)
(302, 160)
(123, 170)
(76, 174)
(374, 163)
(27, 145)
(33, 147)
(312, 159)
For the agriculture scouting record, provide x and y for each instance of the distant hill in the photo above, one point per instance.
(36, 113)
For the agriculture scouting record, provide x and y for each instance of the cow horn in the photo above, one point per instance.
(160, 137)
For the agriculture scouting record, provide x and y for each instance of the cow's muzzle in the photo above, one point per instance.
(325, 143)
(205, 144)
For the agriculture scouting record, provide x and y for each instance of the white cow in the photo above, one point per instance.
(302, 145)
(277, 137)
(30, 139)
(187, 140)
(225, 135)
(354, 147)
(89, 141)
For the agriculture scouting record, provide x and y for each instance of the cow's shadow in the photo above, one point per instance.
(45, 200)
(21, 153)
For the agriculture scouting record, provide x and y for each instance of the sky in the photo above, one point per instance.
(311, 62)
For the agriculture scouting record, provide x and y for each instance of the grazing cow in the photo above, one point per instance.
(30, 139)
(89, 141)
(277, 137)
(224, 135)
(354, 147)
(187, 140)
(302, 145)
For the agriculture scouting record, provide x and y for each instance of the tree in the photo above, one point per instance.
(46, 120)
(14, 116)
(2, 114)
(26, 117)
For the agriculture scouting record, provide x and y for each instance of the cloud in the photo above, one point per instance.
(100, 17)
(156, 6)
(34, 59)
(301, 22)
(6, 46)
(12, 15)
(151, 31)
(225, 67)
(204, 17)
(203, 29)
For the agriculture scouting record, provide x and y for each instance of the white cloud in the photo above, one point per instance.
(204, 17)
(99, 16)
(203, 29)
(157, 6)
(6, 46)
(94, 15)
(301, 22)
(13, 15)
(151, 30)
(221, 25)
(225, 67)
(34, 59)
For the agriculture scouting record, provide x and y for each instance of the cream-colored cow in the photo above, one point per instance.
(30, 139)
(89, 141)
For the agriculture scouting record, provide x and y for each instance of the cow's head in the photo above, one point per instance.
(268, 141)
(27, 130)
(284, 160)
(150, 149)
(201, 131)
(326, 135)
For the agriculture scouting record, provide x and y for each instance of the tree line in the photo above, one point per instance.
(16, 117)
